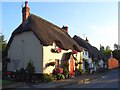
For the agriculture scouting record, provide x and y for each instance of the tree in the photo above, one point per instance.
(116, 54)
(108, 48)
(3, 44)
(102, 48)
(115, 46)
(30, 69)
(106, 52)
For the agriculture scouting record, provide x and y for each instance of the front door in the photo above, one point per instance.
(72, 64)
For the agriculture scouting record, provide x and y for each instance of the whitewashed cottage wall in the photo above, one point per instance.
(48, 56)
(25, 47)
(83, 55)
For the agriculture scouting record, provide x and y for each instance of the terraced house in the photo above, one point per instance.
(42, 42)
(47, 46)
(90, 56)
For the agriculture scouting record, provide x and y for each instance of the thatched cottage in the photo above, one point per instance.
(40, 41)
(92, 55)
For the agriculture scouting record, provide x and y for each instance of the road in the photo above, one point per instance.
(109, 80)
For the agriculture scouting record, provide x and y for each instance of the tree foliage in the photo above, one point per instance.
(106, 52)
(30, 68)
(3, 44)
(108, 48)
(116, 52)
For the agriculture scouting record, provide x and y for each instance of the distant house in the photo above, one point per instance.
(112, 62)
(91, 55)
(40, 41)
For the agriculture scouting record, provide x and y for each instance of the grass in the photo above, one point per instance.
(6, 82)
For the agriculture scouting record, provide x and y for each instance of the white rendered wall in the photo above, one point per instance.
(48, 56)
(25, 47)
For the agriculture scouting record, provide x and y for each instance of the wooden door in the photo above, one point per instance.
(72, 65)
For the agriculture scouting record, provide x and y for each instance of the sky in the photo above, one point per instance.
(98, 21)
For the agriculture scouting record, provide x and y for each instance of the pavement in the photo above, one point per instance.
(60, 83)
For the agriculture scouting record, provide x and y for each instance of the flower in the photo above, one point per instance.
(74, 52)
(57, 71)
(60, 70)
(59, 50)
(56, 50)
(8, 73)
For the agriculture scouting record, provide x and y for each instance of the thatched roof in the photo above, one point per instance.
(47, 33)
(93, 51)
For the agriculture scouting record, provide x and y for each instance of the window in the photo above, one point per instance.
(85, 53)
(57, 63)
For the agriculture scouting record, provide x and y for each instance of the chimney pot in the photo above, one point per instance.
(65, 28)
(26, 3)
(87, 39)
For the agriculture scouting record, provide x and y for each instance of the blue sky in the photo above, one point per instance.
(96, 20)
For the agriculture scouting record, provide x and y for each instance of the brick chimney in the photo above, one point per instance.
(25, 13)
(65, 28)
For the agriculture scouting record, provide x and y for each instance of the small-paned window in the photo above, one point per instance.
(57, 63)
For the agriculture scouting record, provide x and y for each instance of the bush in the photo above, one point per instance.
(60, 76)
(65, 64)
(20, 72)
(47, 78)
(30, 70)
(57, 71)
(20, 75)
(81, 71)
(66, 72)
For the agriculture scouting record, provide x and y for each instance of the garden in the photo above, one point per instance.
(28, 75)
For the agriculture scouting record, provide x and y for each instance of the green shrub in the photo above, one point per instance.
(60, 76)
(66, 72)
(20, 75)
(30, 70)
(47, 78)
(57, 71)
(81, 71)
(21, 71)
